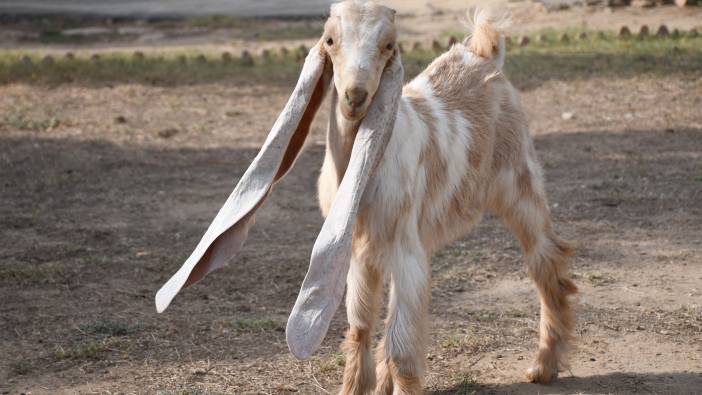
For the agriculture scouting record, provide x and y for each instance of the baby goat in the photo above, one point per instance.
(406, 171)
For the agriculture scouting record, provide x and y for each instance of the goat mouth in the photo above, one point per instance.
(354, 114)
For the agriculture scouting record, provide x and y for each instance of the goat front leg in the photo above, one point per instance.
(363, 295)
(401, 354)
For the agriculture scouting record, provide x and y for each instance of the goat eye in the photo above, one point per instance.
(330, 41)
(390, 46)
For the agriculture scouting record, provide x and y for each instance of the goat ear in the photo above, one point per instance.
(323, 287)
(228, 231)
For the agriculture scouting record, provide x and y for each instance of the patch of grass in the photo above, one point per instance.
(332, 364)
(551, 59)
(24, 121)
(470, 343)
(109, 328)
(598, 279)
(87, 351)
(187, 391)
(21, 367)
(256, 325)
(33, 274)
(293, 32)
(465, 384)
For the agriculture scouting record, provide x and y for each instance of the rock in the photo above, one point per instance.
(452, 41)
(302, 53)
(663, 31)
(644, 31)
(246, 58)
(120, 119)
(624, 32)
(567, 116)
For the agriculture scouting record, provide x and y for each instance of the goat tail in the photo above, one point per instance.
(486, 38)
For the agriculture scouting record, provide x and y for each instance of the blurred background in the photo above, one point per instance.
(124, 126)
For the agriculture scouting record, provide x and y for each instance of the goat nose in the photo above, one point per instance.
(355, 97)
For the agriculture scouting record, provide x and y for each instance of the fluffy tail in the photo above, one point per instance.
(486, 38)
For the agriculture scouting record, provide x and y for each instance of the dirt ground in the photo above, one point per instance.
(105, 190)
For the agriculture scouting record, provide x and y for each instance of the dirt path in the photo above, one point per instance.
(100, 206)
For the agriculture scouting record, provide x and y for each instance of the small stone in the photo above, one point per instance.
(592, 360)
(643, 3)
(120, 119)
(520, 358)
(168, 133)
(567, 116)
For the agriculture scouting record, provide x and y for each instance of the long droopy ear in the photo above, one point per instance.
(323, 287)
(229, 229)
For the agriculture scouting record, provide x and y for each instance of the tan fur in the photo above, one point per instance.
(501, 175)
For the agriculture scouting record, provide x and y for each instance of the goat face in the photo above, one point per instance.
(359, 39)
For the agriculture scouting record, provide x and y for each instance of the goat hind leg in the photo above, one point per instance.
(546, 255)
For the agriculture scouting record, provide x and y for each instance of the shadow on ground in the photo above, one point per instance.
(616, 383)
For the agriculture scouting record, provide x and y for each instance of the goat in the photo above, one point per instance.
(406, 171)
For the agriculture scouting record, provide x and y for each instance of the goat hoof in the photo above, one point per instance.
(541, 374)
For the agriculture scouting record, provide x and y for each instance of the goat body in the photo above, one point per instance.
(460, 146)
